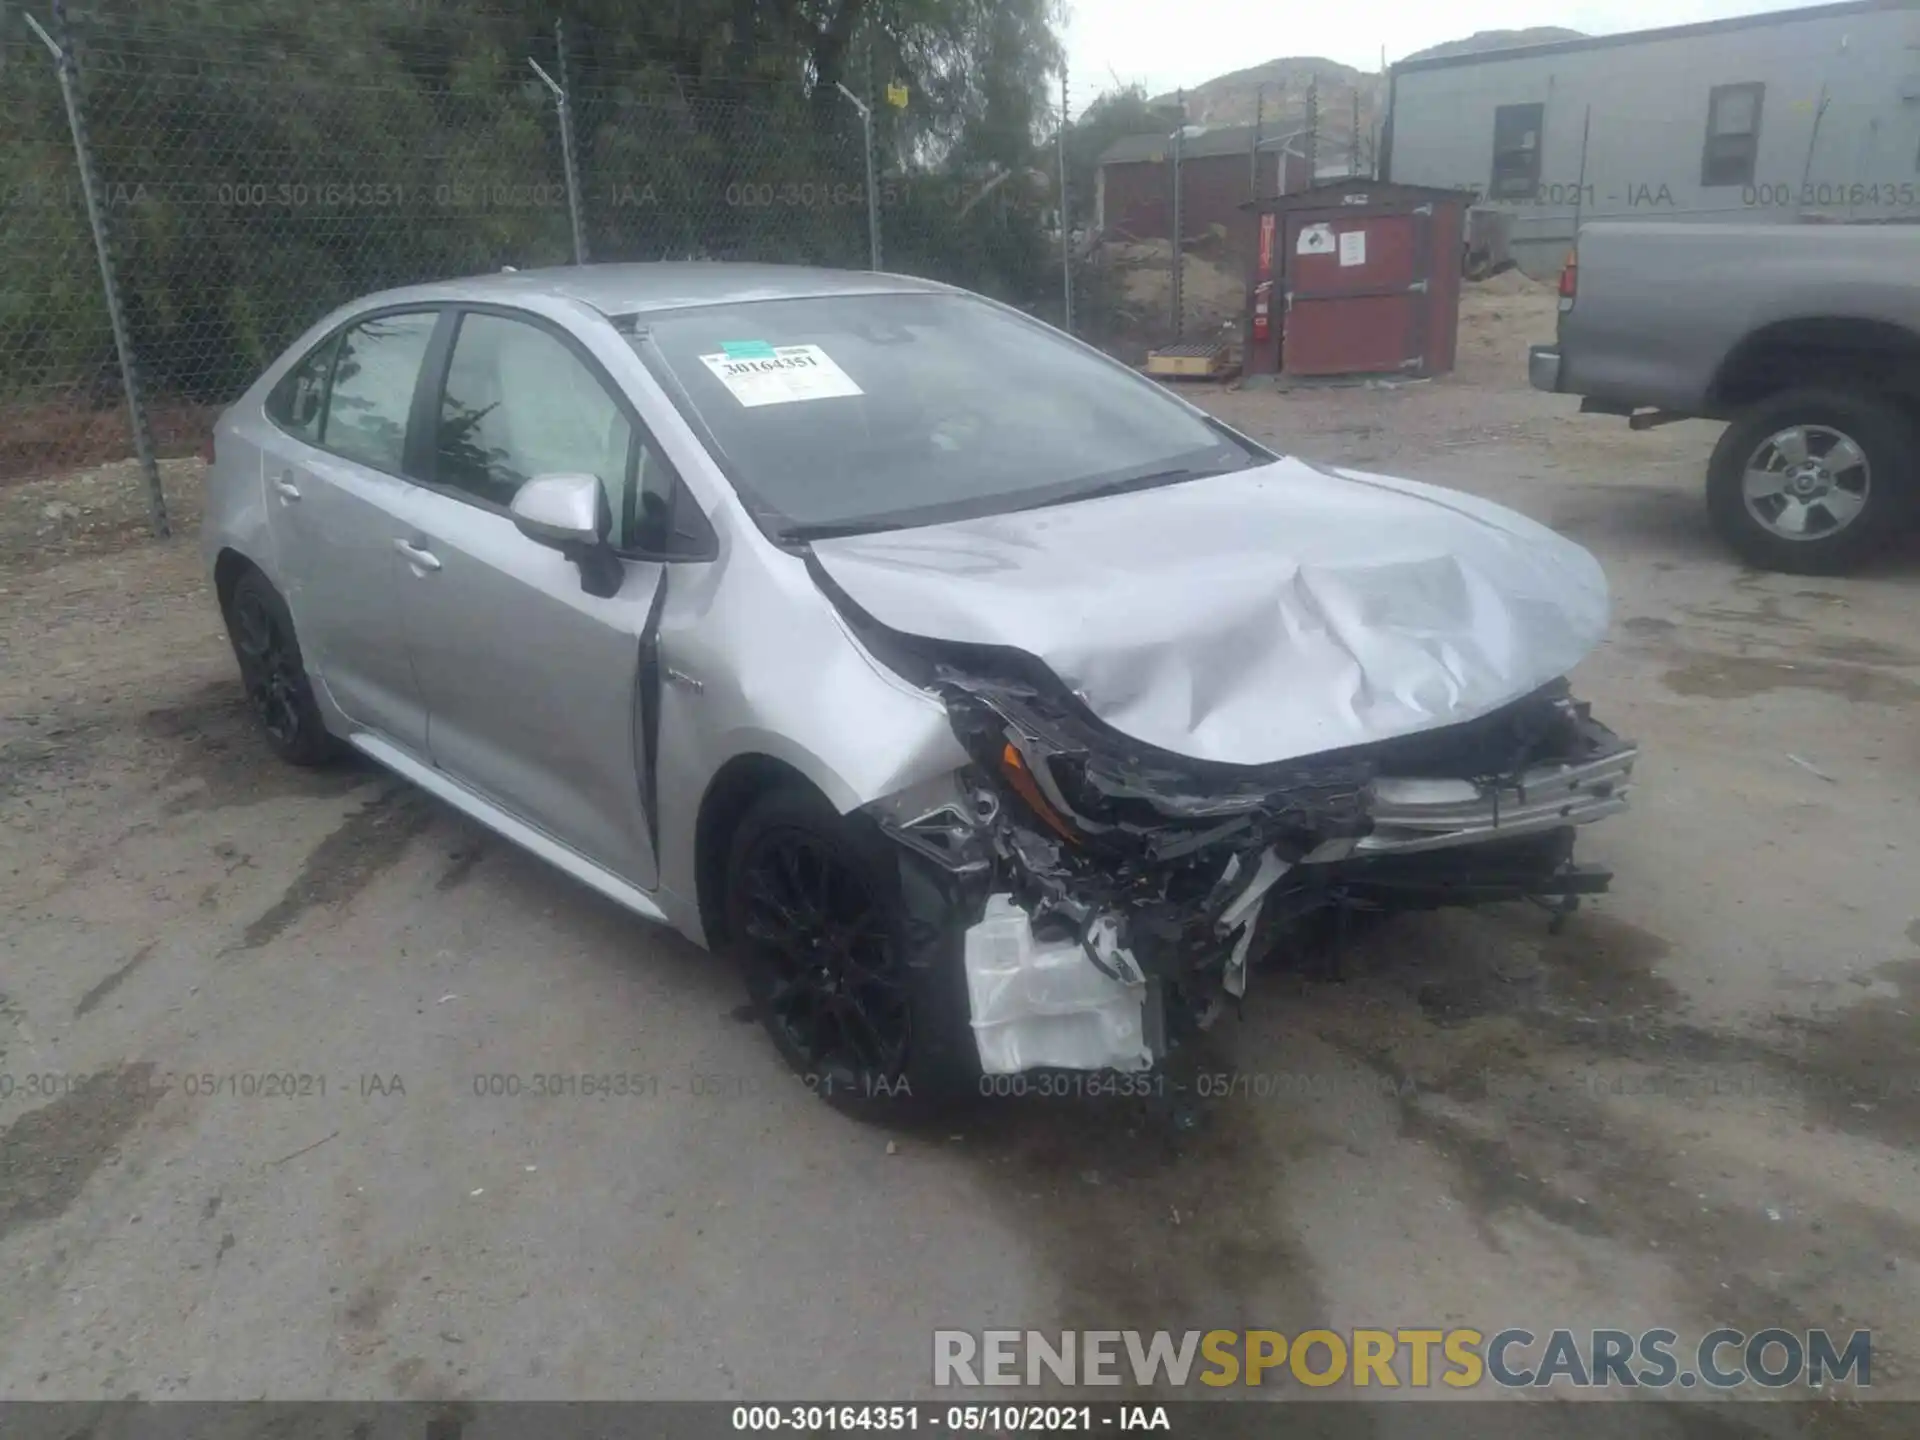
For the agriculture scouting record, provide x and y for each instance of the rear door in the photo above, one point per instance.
(335, 496)
(531, 684)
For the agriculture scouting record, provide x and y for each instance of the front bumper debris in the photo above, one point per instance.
(1057, 1005)
(1121, 894)
(1434, 814)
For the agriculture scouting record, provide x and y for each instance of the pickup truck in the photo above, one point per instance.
(1805, 338)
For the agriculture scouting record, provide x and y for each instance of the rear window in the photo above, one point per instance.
(371, 396)
(876, 411)
(295, 403)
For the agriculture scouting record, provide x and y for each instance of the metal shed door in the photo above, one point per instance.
(1356, 285)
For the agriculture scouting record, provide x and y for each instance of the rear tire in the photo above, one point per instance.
(871, 1017)
(274, 674)
(1812, 482)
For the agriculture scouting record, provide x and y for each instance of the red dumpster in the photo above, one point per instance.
(1355, 277)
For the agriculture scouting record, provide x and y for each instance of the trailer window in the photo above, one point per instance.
(1733, 134)
(1516, 151)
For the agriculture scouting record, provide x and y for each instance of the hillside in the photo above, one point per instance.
(1233, 99)
(1499, 40)
(1278, 91)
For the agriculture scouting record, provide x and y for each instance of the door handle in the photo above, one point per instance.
(418, 556)
(286, 489)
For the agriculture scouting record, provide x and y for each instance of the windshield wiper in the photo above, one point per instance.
(1129, 483)
(833, 529)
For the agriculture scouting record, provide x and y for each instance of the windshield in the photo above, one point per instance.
(864, 412)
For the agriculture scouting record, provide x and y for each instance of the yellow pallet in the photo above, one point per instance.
(1189, 362)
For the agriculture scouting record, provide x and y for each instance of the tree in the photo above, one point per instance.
(268, 159)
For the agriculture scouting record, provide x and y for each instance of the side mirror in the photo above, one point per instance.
(562, 511)
(569, 513)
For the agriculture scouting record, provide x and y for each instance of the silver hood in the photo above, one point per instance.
(1256, 616)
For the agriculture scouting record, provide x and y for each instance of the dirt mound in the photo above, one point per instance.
(1212, 288)
(1507, 282)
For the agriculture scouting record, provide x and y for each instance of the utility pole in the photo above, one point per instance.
(563, 96)
(1380, 98)
(1066, 213)
(873, 167)
(1253, 151)
(1179, 142)
(1313, 129)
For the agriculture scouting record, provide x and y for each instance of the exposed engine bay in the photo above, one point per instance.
(1124, 892)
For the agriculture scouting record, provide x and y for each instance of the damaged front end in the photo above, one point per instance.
(1117, 894)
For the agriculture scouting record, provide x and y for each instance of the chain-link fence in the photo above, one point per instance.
(59, 379)
(250, 175)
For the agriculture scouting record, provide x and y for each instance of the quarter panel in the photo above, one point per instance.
(237, 515)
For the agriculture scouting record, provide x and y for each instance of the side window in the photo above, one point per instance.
(519, 403)
(1733, 134)
(1516, 151)
(294, 404)
(373, 385)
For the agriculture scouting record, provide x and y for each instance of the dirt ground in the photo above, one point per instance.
(1697, 1105)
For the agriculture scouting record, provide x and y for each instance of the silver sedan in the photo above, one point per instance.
(998, 708)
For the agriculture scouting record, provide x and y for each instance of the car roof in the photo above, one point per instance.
(629, 288)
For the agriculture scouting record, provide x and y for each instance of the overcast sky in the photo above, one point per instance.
(1164, 45)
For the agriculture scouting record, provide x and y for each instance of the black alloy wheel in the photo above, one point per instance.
(853, 958)
(822, 959)
(273, 674)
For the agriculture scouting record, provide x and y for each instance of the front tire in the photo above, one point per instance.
(1811, 482)
(274, 674)
(866, 1002)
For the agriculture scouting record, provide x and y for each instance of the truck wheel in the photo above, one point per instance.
(1812, 481)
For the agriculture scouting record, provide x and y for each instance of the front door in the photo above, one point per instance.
(335, 494)
(531, 684)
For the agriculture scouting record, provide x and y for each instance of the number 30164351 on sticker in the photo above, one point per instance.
(779, 375)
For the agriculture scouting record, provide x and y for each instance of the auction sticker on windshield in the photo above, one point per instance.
(779, 374)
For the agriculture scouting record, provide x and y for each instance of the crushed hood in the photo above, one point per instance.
(1253, 617)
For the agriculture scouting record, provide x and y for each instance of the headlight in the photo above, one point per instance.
(1021, 779)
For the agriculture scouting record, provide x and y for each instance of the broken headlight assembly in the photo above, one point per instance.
(1120, 894)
